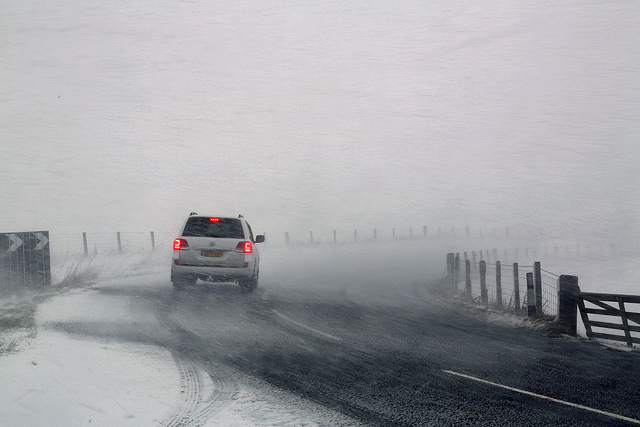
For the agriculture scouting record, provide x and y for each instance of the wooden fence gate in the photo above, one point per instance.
(611, 305)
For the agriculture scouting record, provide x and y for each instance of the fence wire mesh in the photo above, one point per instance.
(549, 292)
(69, 245)
(513, 286)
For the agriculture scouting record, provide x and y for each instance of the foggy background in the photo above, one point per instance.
(303, 115)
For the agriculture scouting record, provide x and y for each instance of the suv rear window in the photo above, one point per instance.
(226, 228)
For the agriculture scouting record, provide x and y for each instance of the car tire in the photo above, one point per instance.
(249, 285)
(183, 281)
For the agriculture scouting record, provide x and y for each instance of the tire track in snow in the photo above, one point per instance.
(191, 391)
(202, 390)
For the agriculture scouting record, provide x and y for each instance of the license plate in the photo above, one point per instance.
(212, 253)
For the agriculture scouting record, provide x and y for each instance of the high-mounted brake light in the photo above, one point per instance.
(244, 247)
(180, 245)
(214, 219)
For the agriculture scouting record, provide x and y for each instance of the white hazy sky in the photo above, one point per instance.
(300, 115)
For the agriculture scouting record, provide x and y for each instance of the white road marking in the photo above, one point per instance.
(540, 396)
(309, 328)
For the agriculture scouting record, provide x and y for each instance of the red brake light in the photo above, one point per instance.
(180, 244)
(214, 219)
(245, 247)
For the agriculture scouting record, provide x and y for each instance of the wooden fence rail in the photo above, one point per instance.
(617, 310)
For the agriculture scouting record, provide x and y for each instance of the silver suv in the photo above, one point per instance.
(218, 249)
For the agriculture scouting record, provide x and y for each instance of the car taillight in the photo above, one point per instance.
(180, 245)
(244, 247)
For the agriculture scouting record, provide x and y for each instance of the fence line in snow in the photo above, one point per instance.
(505, 285)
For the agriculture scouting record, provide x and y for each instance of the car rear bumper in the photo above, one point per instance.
(213, 273)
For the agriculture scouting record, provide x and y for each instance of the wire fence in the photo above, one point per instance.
(506, 285)
(549, 292)
(91, 244)
(516, 245)
(511, 298)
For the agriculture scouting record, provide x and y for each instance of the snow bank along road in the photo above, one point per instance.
(297, 355)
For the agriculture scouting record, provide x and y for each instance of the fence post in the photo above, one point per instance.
(516, 286)
(498, 284)
(537, 274)
(153, 241)
(86, 247)
(467, 282)
(568, 294)
(483, 283)
(625, 321)
(119, 243)
(456, 271)
(311, 237)
(531, 296)
(450, 268)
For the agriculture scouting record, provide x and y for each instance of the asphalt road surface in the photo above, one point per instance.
(380, 355)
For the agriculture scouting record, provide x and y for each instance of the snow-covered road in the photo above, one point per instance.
(335, 336)
(58, 379)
